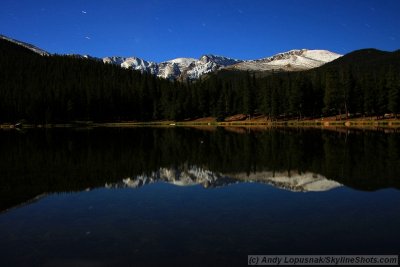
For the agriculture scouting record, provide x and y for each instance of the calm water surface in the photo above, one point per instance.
(153, 196)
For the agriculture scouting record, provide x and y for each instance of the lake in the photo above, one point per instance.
(195, 196)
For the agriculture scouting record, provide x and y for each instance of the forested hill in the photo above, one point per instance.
(366, 58)
(363, 82)
(44, 89)
(48, 89)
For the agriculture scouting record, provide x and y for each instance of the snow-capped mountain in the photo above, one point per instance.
(210, 63)
(182, 68)
(293, 60)
(26, 45)
(296, 182)
(191, 68)
(176, 68)
(133, 63)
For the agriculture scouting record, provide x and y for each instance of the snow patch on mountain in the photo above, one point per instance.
(182, 62)
(321, 55)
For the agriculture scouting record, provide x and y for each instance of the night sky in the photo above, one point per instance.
(160, 30)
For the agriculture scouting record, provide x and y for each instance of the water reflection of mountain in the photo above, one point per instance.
(63, 160)
(292, 181)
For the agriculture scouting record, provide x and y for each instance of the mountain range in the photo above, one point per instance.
(296, 182)
(191, 68)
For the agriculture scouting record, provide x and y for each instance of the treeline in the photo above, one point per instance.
(48, 89)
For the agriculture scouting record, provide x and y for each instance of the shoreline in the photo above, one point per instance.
(318, 123)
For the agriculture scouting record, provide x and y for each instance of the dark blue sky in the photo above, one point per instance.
(159, 30)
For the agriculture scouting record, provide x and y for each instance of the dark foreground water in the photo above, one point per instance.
(156, 196)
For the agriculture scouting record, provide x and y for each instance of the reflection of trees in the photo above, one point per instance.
(41, 161)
